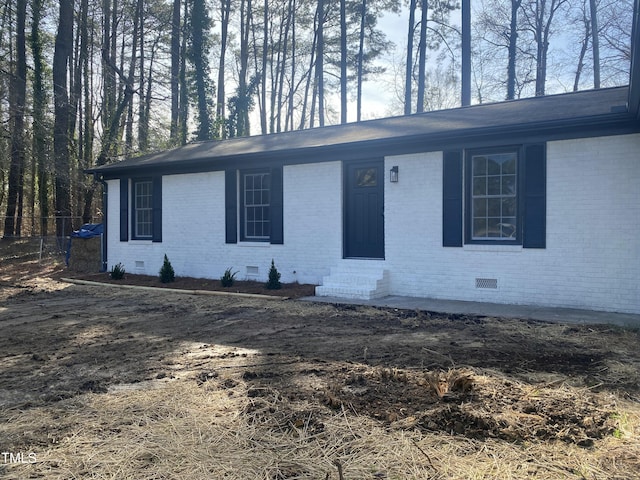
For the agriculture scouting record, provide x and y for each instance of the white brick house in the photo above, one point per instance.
(533, 201)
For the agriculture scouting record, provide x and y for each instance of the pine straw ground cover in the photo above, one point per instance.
(186, 431)
(109, 384)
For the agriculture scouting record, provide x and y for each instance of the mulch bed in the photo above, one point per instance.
(291, 290)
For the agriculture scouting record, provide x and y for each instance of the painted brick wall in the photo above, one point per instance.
(592, 259)
(194, 236)
(191, 238)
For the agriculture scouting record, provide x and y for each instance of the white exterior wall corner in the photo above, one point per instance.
(592, 256)
(193, 228)
(191, 237)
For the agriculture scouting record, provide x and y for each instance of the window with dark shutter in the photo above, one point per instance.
(277, 228)
(535, 196)
(231, 206)
(145, 209)
(157, 209)
(497, 194)
(256, 198)
(452, 199)
(124, 209)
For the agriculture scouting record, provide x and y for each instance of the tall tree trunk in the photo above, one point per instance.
(142, 121)
(184, 97)
(466, 52)
(343, 61)
(40, 131)
(320, 63)
(17, 94)
(61, 61)
(363, 17)
(145, 100)
(513, 50)
(541, 57)
(290, 112)
(200, 24)
(274, 68)
(88, 128)
(108, 57)
(408, 78)
(113, 131)
(263, 69)
(175, 71)
(136, 37)
(283, 65)
(18, 137)
(543, 20)
(422, 57)
(225, 6)
(242, 127)
(596, 43)
(583, 51)
(310, 76)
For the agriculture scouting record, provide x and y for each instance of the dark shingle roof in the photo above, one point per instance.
(571, 112)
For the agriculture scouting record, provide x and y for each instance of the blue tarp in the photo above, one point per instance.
(88, 230)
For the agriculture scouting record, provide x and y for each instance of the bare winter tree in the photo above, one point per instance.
(61, 64)
(539, 16)
(17, 99)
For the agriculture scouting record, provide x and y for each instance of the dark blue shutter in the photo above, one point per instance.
(157, 208)
(124, 209)
(231, 206)
(535, 196)
(452, 199)
(277, 234)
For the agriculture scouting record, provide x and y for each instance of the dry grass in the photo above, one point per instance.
(242, 390)
(182, 430)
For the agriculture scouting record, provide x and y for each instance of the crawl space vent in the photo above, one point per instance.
(487, 283)
(252, 271)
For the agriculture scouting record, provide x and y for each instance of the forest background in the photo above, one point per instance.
(89, 82)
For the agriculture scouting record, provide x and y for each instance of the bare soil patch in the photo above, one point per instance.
(110, 383)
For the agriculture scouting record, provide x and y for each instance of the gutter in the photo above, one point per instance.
(105, 206)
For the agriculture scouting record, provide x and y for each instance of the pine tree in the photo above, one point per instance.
(274, 278)
(167, 274)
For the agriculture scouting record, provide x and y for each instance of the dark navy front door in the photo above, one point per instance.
(364, 210)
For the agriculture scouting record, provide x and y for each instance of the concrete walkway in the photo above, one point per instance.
(547, 314)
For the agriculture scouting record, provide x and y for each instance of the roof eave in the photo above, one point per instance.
(614, 123)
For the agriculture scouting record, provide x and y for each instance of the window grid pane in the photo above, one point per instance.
(494, 196)
(143, 213)
(257, 225)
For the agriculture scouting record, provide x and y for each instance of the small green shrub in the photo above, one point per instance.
(167, 274)
(228, 278)
(117, 272)
(274, 278)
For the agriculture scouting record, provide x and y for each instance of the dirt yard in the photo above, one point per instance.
(103, 382)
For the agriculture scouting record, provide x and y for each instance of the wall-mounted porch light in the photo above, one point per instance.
(393, 174)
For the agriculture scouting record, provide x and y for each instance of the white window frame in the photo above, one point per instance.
(143, 211)
(253, 200)
(508, 223)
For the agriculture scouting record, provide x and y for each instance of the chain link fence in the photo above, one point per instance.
(33, 226)
(33, 248)
(30, 245)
